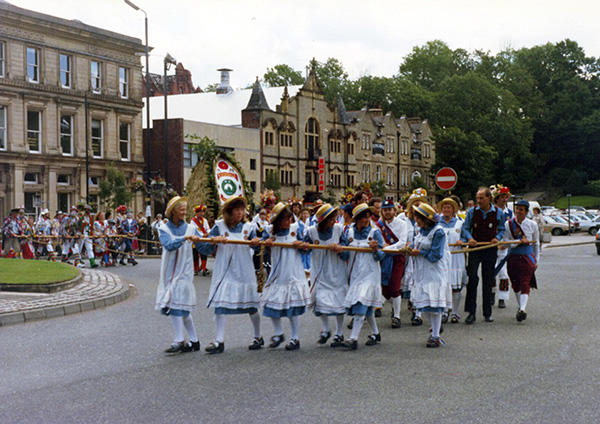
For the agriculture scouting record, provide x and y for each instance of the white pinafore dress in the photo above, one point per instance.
(176, 285)
(431, 288)
(286, 290)
(233, 288)
(407, 280)
(328, 274)
(364, 275)
(457, 271)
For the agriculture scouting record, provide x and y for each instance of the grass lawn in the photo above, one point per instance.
(590, 202)
(20, 271)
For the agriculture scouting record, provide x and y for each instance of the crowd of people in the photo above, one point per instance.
(336, 261)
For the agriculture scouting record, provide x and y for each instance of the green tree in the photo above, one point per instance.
(211, 88)
(281, 75)
(114, 190)
(272, 183)
(332, 77)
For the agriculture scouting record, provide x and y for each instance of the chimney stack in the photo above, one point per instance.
(224, 87)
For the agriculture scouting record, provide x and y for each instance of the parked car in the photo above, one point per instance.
(547, 210)
(576, 209)
(573, 223)
(593, 230)
(557, 226)
(584, 222)
(598, 243)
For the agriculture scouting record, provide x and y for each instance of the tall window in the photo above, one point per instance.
(124, 141)
(286, 176)
(34, 131)
(268, 138)
(366, 173)
(2, 128)
(311, 138)
(66, 134)
(65, 70)
(378, 173)
(390, 176)
(63, 201)
(2, 59)
(285, 139)
(351, 148)
(124, 82)
(190, 157)
(350, 180)
(97, 138)
(96, 76)
(33, 64)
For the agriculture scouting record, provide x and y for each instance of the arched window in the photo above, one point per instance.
(311, 138)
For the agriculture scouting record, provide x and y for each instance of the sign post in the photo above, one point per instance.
(446, 178)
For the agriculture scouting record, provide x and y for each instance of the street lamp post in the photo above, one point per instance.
(569, 212)
(169, 60)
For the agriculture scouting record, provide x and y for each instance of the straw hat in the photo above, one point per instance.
(449, 201)
(234, 202)
(425, 210)
(172, 203)
(417, 194)
(360, 209)
(276, 211)
(324, 211)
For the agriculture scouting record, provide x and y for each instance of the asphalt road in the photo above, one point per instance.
(107, 365)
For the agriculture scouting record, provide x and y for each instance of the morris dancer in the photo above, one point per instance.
(457, 272)
(286, 291)
(175, 295)
(394, 232)
(100, 242)
(328, 273)
(431, 291)
(44, 228)
(86, 228)
(500, 196)
(233, 289)
(130, 229)
(70, 234)
(364, 294)
(201, 224)
(523, 258)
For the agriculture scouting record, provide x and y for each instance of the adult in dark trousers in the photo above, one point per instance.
(484, 223)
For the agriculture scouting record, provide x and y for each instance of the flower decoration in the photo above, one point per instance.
(268, 198)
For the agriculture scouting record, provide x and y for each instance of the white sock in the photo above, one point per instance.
(188, 322)
(356, 326)
(455, 302)
(278, 331)
(523, 302)
(436, 323)
(518, 296)
(397, 304)
(220, 323)
(339, 323)
(418, 314)
(295, 325)
(373, 324)
(255, 318)
(324, 323)
(178, 328)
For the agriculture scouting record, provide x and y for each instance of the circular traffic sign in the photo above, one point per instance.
(446, 178)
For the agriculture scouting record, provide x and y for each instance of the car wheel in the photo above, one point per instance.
(593, 230)
(598, 250)
(557, 232)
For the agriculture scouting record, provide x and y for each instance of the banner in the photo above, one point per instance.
(228, 179)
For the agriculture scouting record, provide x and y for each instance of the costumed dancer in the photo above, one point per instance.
(233, 289)
(201, 224)
(43, 227)
(262, 263)
(286, 290)
(522, 258)
(328, 273)
(27, 248)
(70, 233)
(394, 232)
(129, 228)
(86, 228)
(176, 295)
(431, 292)
(11, 230)
(113, 242)
(100, 243)
(364, 274)
(500, 196)
(457, 271)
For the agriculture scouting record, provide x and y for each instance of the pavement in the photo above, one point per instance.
(99, 289)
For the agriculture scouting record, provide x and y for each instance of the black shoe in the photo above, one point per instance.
(122, 262)
(337, 341)
(215, 347)
(521, 315)
(489, 319)
(294, 344)
(434, 342)
(323, 337)
(134, 262)
(191, 347)
(350, 323)
(205, 272)
(94, 266)
(416, 321)
(350, 344)
(444, 318)
(276, 341)
(395, 322)
(373, 339)
(257, 343)
(455, 319)
(501, 304)
(470, 319)
(377, 312)
(175, 348)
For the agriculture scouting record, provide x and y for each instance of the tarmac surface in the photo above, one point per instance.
(107, 365)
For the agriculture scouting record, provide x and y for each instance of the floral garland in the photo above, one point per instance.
(268, 198)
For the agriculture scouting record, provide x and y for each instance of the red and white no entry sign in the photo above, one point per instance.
(446, 178)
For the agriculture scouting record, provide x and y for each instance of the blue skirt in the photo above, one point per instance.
(227, 311)
(360, 309)
(174, 312)
(430, 309)
(281, 313)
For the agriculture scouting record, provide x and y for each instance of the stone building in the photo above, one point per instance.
(180, 83)
(47, 67)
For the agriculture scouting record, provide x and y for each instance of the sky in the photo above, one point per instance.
(368, 37)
